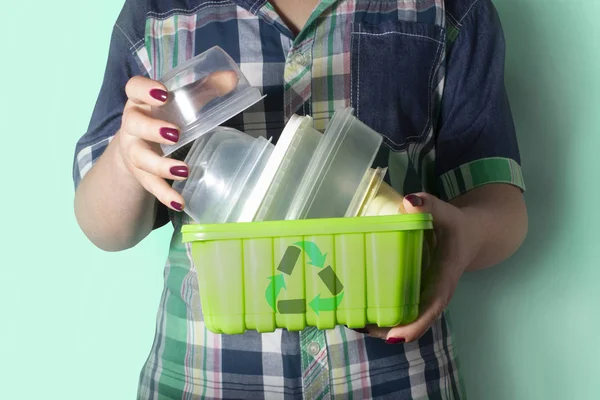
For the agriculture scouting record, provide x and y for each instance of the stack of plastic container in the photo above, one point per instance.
(297, 144)
(337, 169)
(307, 175)
(225, 166)
(304, 233)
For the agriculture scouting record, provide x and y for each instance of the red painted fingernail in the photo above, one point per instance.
(180, 170)
(394, 340)
(416, 201)
(177, 206)
(169, 134)
(159, 94)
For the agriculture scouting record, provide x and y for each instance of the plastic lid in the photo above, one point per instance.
(285, 184)
(326, 226)
(277, 157)
(344, 155)
(204, 92)
(224, 166)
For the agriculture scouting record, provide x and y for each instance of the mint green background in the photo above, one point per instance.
(78, 323)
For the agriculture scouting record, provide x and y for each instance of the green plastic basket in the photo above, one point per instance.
(324, 272)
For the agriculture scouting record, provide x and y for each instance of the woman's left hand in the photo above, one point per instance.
(457, 243)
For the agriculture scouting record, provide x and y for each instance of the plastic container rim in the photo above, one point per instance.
(194, 130)
(192, 61)
(307, 227)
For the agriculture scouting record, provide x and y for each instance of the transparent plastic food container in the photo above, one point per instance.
(225, 165)
(297, 145)
(306, 175)
(204, 92)
(293, 274)
(337, 169)
(271, 273)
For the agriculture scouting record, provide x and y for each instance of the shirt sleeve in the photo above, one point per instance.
(476, 142)
(108, 110)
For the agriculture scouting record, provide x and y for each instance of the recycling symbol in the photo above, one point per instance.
(277, 284)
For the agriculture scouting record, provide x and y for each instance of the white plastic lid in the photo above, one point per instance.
(277, 157)
(204, 92)
(285, 184)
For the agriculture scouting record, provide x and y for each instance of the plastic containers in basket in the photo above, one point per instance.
(234, 176)
(314, 175)
(204, 92)
(295, 147)
(225, 166)
(337, 169)
(293, 274)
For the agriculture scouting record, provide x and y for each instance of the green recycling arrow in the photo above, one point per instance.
(286, 266)
(327, 304)
(275, 286)
(317, 258)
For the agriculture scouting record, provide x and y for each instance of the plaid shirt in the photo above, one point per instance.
(427, 74)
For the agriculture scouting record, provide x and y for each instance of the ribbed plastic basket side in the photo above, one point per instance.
(323, 281)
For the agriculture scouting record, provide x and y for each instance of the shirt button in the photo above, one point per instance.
(300, 59)
(314, 348)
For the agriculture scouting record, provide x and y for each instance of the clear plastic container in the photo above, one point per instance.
(225, 166)
(204, 92)
(276, 160)
(299, 141)
(337, 169)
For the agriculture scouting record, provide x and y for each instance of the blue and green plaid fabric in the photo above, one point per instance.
(427, 74)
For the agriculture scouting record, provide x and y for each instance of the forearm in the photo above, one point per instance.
(112, 208)
(499, 219)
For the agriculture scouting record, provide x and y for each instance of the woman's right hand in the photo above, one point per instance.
(139, 142)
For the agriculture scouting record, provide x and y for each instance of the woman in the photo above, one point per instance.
(426, 74)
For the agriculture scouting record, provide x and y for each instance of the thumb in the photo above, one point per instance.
(441, 211)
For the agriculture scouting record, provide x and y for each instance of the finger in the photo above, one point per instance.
(160, 189)
(142, 90)
(142, 157)
(137, 123)
(444, 214)
(419, 203)
(222, 82)
(413, 331)
(363, 331)
(372, 330)
(378, 332)
(217, 84)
